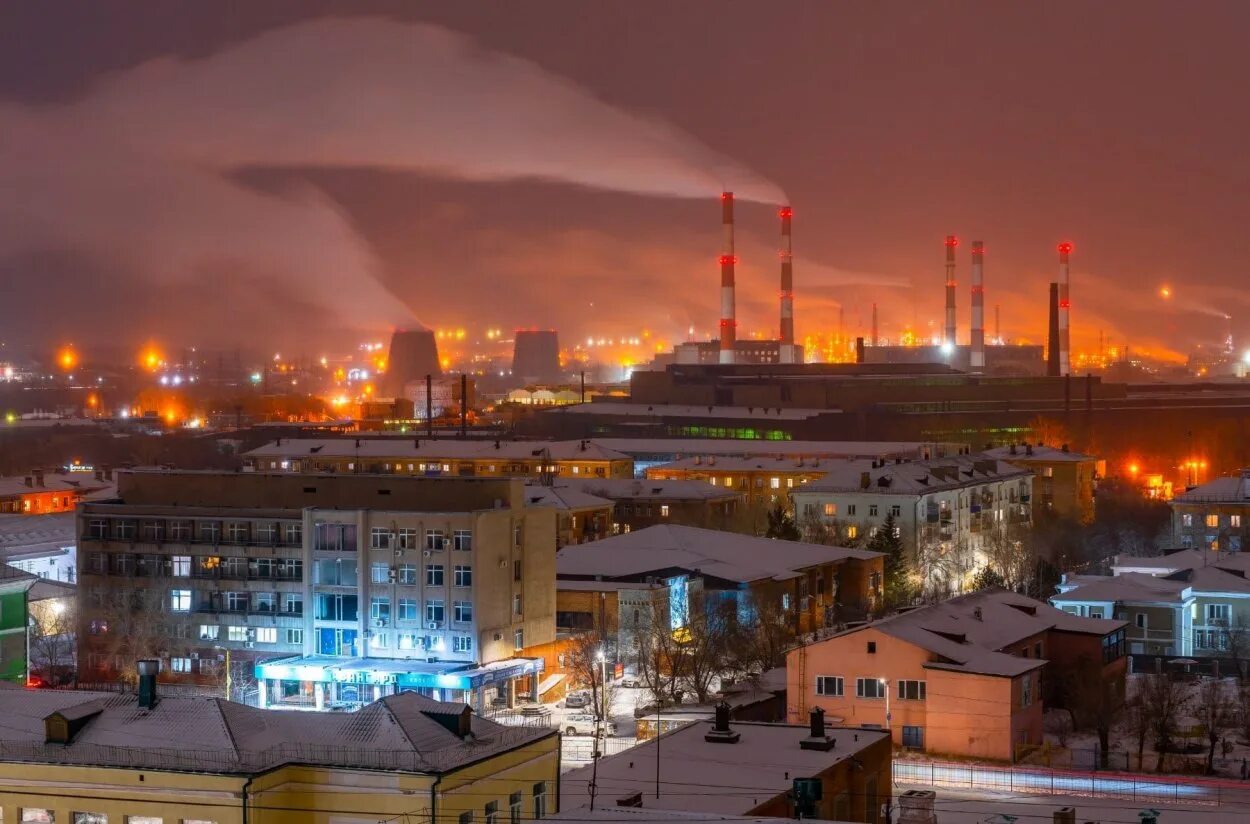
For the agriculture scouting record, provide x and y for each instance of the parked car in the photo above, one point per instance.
(586, 724)
(631, 683)
(577, 700)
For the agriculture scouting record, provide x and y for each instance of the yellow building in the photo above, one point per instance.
(98, 758)
(433, 457)
(1063, 481)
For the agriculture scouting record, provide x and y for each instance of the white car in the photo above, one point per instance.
(585, 724)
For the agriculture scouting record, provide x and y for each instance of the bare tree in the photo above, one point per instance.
(656, 651)
(587, 661)
(1164, 700)
(1216, 712)
(704, 643)
(52, 637)
(1009, 552)
(1238, 636)
(760, 637)
(130, 626)
(1137, 723)
(1094, 703)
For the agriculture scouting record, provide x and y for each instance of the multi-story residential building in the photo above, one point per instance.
(707, 766)
(338, 588)
(620, 582)
(1214, 515)
(637, 503)
(651, 452)
(759, 480)
(942, 509)
(964, 677)
(1063, 481)
(71, 756)
(1190, 602)
(434, 457)
(581, 516)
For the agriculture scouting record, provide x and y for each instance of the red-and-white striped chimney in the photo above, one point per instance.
(977, 356)
(787, 350)
(728, 319)
(949, 338)
(1065, 305)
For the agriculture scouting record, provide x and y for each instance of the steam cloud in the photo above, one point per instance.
(142, 169)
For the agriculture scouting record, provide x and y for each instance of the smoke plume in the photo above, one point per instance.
(144, 169)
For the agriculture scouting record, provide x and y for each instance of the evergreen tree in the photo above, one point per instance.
(900, 586)
(781, 525)
(988, 578)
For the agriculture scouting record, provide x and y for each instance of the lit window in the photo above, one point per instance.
(267, 635)
(178, 665)
(852, 532)
(831, 510)
(180, 600)
(1187, 519)
(774, 483)
(663, 510)
(236, 633)
(1234, 521)
(1213, 521)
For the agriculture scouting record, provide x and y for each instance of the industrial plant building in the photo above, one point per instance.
(342, 588)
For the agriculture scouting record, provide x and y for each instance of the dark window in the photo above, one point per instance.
(872, 647)
(913, 737)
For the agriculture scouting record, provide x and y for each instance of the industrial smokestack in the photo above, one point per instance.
(875, 339)
(788, 353)
(1065, 305)
(977, 359)
(998, 327)
(728, 320)
(1052, 336)
(951, 243)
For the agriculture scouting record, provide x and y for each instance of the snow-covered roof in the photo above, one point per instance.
(562, 496)
(400, 732)
(916, 477)
(1233, 489)
(410, 448)
(761, 764)
(18, 532)
(688, 447)
(968, 633)
(81, 483)
(763, 463)
(648, 489)
(1129, 587)
(762, 414)
(1024, 453)
(1201, 570)
(725, 555)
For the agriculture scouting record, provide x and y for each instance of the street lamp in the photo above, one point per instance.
(603, 667)
(885, 683)
(227, 651)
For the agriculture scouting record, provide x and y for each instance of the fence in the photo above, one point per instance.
(1204, 666)
(1191, 761)
(1135, 788)
(582, 748)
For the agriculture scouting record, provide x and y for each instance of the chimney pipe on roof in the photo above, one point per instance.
(721, 732)
(817, 723)
(728, 318)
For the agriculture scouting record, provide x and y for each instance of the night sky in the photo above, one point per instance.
(284, 174)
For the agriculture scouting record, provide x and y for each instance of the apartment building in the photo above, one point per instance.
(637, 503)
(73, 756)
(433, 457)
(1214, 515)
(945, 510)
(620, 581)
(581, 516)
(1193, 603)
(758, 480)
(962, 677)
(1063, 480)
(337, 589)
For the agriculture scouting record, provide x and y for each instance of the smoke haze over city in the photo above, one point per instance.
(312, 174)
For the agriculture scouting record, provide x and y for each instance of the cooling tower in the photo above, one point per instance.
(413, 355)
(536, 357)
